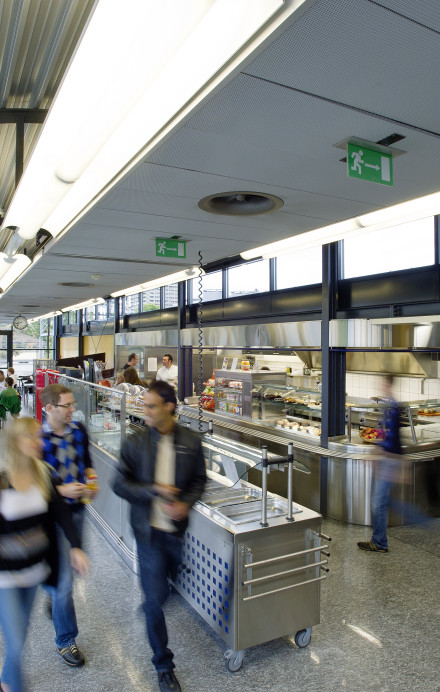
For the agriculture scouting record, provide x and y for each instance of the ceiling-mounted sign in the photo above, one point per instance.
(169, 247)
(368, 164)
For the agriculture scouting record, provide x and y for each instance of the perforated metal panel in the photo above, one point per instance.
(363, 55)
(206, 580)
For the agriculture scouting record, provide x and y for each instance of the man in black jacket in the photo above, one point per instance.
(161, 474)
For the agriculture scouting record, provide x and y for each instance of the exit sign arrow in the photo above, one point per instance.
(370, 165)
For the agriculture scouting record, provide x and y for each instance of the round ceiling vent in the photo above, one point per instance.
(76, 284)
(240, 203)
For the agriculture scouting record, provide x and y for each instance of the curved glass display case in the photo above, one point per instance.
(102, 410)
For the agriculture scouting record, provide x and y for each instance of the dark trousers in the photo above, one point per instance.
(158, 560)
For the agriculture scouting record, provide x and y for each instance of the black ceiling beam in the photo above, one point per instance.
(26, 115)
(20, 117)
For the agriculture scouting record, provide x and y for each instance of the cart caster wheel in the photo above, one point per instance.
(303, 637)
(234, 660)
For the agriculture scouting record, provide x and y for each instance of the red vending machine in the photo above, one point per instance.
(40, 383)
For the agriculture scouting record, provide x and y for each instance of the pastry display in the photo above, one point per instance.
(428, 412)
(295, 427)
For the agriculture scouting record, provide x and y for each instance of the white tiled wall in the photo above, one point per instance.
(404, 388)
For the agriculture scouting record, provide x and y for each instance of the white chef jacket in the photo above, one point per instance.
(168, 374)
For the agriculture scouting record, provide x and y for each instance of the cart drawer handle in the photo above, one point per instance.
(284, 588)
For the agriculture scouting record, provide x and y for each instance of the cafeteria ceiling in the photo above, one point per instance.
(360, 68)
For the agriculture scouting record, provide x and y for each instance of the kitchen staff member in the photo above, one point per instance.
(132, 361)
(168, 371)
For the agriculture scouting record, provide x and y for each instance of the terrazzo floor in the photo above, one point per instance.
(378, 631)
(379, 627)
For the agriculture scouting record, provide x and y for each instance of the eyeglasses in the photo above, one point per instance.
(72, 405)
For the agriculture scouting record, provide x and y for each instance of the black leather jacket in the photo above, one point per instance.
(135, 475)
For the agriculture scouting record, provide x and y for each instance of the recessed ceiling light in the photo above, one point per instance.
(240, 203)
(76, 284)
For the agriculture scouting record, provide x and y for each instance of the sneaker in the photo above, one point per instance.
(71, 655)
(168, 681)
(372, 547)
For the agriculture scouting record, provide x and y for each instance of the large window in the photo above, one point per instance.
(171, 296)
(211, 287)
(102, 310)
(299, 268)
(90, 313)
(400, 247)
(132, 304)
(248, 278)
(151, 300)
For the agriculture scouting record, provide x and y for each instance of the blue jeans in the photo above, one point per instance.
(15, 611)
(158, 560)
(388, 474)
(63, 609)
(379, 507)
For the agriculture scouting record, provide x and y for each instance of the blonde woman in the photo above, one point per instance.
(29, 507)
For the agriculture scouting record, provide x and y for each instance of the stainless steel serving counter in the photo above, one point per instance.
(349, 469)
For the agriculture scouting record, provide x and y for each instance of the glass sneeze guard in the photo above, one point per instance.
(102, 410)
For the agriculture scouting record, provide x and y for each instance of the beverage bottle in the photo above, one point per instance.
(92, 484)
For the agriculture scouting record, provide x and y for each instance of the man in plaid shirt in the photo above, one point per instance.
(66, 449)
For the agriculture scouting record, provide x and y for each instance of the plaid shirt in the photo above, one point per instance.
(67, 454)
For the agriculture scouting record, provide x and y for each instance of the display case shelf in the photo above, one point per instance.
(243, 404)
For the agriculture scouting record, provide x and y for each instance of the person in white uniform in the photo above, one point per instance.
(168, 371)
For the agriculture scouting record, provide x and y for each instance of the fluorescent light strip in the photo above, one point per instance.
(45, 317)
(85, 304)
(191, 273)
(88, 138)
(414, 209)
(17, 267)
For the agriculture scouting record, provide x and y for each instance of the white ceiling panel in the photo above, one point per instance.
(363, 55)
(271, 129)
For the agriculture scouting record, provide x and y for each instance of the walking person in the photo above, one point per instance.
(66, 450)
(388, 470)
(29, 507)
(161, 474)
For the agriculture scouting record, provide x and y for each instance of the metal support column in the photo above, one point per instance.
(184, 359)
(57, 335)
(79, 317)
(9, 345)
(333, 363)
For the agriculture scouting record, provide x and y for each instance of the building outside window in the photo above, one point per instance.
(151, 300)
(248, 278)
(211, 287)
(171, 296)
(132, 304)
(72, 317)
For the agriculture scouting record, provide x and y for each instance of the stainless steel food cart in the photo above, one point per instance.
(252, 565)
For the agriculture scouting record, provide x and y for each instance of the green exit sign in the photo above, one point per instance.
(370, 165)
(168, 247)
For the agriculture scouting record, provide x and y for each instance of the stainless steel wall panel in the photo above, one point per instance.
(163, 337)
(277, 335)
